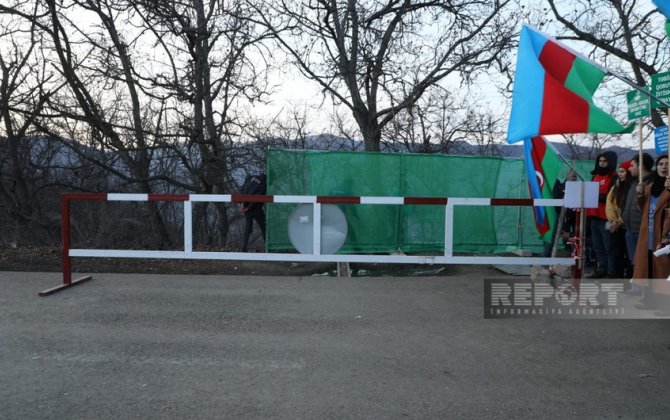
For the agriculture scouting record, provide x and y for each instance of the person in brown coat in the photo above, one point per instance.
(654, 200)
(662, 287)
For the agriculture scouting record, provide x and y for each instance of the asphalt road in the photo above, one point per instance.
(155, 346)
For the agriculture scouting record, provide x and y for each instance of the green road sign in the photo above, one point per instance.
(660, 87)
(638, 104)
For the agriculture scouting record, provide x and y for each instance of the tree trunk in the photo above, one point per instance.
(370, 129)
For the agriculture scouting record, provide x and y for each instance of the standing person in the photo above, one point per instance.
(616, 200)
(604, 174)
(653, 199)
(631, 214)
(253, 185)
(660, 290)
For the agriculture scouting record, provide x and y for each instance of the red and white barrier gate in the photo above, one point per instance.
(316, 256)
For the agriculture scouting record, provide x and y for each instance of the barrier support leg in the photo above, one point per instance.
(63, 286)
(67, 267)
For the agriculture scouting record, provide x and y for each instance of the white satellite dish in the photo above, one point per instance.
(333, 228)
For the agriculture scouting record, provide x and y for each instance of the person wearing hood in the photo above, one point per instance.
(654, 201)
(632, 216)
(604, 174)
(253, 185)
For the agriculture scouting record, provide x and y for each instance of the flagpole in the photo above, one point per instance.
(580, 266)
(580, 229)
(639, 161)
(558, 230)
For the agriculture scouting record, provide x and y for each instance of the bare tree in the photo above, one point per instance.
(343, 127)
(625, 35)
(94, 58)
(152, 89)
(378, 58)
(25, 159)
(586, 148)
(212, 53)
(440, 122)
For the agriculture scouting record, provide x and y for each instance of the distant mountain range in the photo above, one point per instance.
(572, 152)
(332, 142)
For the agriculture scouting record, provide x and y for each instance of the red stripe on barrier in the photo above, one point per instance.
(168, 197)
(426, 200)
(329, 199)
(245, 198)
(85, 196)
(511, 201)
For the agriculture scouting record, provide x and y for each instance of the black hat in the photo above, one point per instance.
(647, 161)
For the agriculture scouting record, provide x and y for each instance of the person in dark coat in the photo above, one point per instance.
(604, 174)
(253, 185)
(654, 201)
(632, 216)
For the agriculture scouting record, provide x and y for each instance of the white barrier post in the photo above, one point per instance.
(449, 230)
(316, 223)
(188, 227)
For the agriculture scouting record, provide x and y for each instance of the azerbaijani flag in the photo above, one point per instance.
(542, 166)
(663, 6)
(553, 91)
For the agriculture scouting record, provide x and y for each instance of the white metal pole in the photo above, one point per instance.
(449, 230)
(188, 227)
(639, 161)
(316, 215)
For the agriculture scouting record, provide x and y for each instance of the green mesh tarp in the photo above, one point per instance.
(408, 228)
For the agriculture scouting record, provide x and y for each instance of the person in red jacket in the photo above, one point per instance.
(604, 174)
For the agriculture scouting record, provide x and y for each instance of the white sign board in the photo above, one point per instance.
(573, 194)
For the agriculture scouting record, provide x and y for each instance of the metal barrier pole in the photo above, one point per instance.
(65, 249)
(316, 255)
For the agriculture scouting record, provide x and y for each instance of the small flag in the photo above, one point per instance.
(542, 166)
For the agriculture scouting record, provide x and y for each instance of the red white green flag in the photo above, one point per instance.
(553, 91)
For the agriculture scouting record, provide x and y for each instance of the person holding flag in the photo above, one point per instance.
(632, 216)
(604, 174)
(653, 199)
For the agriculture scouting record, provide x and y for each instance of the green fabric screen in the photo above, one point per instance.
(408, 228)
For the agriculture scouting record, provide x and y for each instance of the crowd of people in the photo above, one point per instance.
(632, 221)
